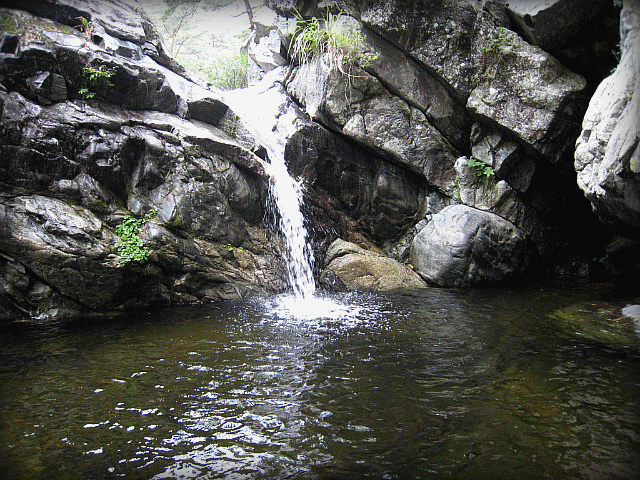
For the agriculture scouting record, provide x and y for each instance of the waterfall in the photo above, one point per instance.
(287, 196)
(260, 108)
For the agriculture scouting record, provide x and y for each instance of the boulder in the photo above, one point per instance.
(360, 269)
(466, 48)
(491, 194)
(444, 35)
(464, 246)
(607, 155)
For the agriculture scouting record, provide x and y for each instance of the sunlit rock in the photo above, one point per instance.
(526, 91)
(607, 156)
(360, 269)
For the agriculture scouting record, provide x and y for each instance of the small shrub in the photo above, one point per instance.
(130, 246)
(85, 27)
(95, 77)
(482, 170)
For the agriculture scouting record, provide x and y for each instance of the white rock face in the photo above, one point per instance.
(607, 157)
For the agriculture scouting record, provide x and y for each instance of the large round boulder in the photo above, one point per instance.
(463, 246)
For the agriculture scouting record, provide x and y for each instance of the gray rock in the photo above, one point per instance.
(361, 108)
(70, 171)
(445, 36)
(266, 47)
(607, 156)
(53, 70)
(464, 246)
(360, 269)
(527, 92)
(509, 160)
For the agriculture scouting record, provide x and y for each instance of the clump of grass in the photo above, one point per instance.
(327, 37)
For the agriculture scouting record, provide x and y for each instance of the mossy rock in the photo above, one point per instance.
(596, 322)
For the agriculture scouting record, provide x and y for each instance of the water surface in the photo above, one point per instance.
(523, 382)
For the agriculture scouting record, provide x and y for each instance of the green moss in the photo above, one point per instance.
(9, 24)
(596, 323)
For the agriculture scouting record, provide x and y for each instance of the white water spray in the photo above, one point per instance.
(259, 108)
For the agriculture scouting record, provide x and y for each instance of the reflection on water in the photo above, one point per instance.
(509, 383)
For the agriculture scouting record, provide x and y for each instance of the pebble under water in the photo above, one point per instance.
(504, 383)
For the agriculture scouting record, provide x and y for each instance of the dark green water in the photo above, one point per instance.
(510, 383)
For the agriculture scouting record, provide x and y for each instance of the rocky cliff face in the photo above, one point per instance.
(455, 87)
(148, 142)
(607, 155)
(452, 149)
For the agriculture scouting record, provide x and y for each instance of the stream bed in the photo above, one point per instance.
(521, 382)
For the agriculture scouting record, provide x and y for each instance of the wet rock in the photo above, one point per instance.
(463, 246)
(383, 198)
(360, 269)
(365, 111)
(73, 170)
(601, 323)
(267, 48)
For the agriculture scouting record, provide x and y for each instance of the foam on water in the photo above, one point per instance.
(333, 312)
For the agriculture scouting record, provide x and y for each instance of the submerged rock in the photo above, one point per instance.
(463, 246)
(600, 323)
(360, 269)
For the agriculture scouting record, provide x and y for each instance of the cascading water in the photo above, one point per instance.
(258, 108)
(287, 196)
(264, 110)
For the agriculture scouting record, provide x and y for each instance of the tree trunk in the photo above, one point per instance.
(250, 14)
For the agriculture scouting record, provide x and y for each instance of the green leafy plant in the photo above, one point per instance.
(230, 248)
(130, 246)
(328, 37)
(95, 77)
(482, 170)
